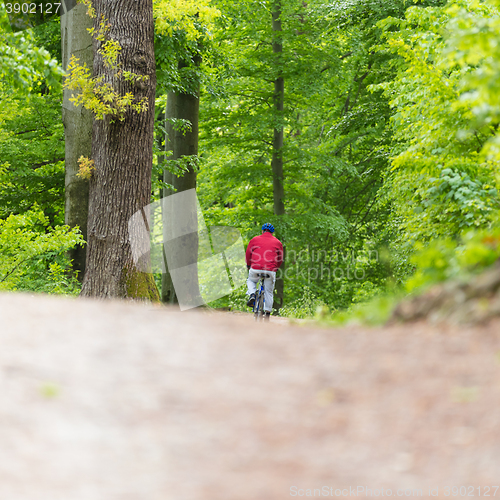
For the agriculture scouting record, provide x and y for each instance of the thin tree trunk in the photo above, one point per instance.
(123, 155)
(279, 97)
(167, 286)
(277, 158)
(184, 251)
(76, 40)
(186, 144)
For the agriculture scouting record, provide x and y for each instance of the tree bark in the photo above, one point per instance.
(123, 153)
(277, 158)
(76, 40)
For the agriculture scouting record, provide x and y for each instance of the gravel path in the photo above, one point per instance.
(121, 401)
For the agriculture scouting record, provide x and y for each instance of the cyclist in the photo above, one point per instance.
(264, 256)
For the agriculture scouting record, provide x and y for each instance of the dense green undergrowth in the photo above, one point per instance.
(442, 260)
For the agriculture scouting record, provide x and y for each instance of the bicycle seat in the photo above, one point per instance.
(263, 275)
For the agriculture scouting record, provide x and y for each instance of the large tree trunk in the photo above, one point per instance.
(277, 159)
(77, 121)
(123, 154)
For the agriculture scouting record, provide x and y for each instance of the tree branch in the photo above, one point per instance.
(41, 164)
(26, 131)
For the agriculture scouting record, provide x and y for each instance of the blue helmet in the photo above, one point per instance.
(268, 227)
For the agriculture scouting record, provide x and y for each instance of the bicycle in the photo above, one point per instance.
(258, 307)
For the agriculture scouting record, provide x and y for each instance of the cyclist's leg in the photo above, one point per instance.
(269, 291)
(252, 281)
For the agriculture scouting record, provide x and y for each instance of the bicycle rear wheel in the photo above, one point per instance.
(259, 306)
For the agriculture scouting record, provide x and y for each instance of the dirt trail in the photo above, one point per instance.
(120, 401)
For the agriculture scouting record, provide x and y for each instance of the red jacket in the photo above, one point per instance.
(265, 252)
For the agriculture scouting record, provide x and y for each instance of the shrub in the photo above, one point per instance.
(32, 254)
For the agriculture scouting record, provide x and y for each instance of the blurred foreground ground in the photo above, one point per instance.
(119, 401)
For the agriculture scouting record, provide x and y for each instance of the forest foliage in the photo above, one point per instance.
(391, 141)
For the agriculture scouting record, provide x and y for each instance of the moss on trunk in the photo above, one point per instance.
(139, 285)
